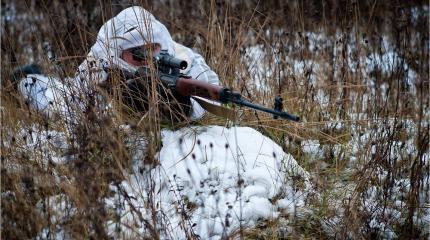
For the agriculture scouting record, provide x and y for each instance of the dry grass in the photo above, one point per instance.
(357, 72)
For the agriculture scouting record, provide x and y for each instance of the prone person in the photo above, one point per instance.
(133, 28)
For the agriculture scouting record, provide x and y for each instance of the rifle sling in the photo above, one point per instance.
(217, 110)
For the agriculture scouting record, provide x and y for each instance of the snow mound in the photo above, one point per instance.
(211, 181)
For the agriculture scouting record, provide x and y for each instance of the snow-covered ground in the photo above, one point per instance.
(210, 181)
(363, 142)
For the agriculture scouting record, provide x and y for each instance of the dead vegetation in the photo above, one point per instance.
(357, 72)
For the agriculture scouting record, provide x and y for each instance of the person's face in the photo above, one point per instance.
(132, 57)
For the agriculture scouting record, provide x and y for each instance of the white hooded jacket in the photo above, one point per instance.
(135, 27)
(132, 27)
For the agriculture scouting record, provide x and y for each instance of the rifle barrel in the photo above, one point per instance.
(283, 115)
(192, 87)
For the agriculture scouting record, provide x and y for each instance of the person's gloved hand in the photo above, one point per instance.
(21, 72)
(94, 70)
(42, 93)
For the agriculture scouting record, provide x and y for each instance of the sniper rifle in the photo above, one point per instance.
(169, 73)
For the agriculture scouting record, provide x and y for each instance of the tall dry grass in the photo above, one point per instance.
(357, 72)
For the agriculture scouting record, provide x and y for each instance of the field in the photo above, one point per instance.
(356, 72)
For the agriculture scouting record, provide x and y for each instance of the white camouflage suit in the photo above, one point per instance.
(132, 27)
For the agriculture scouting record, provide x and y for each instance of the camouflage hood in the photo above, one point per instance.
(132, 27)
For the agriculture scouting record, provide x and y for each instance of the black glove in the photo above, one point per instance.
(173, 107)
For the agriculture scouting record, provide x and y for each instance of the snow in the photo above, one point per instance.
(259, 72)
(229, 175)
(58, 209)
(312, 147)
(213, 179)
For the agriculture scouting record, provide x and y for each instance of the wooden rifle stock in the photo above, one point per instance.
(192, 87)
